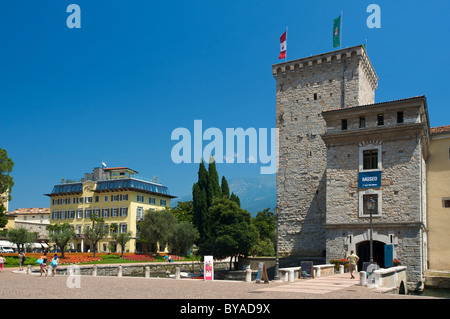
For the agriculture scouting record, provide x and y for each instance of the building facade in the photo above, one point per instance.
(334, 143)
(378, 152)
(305, 88)
(35, 220)
(438, 180)
(117, 195)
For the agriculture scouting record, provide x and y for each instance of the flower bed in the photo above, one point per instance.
(78, 260)
(140, 258)
(338, 262)
(175, 257)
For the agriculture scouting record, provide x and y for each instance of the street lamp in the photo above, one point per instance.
(371, 208)
(277, 210)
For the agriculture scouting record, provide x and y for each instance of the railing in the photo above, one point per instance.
(82, 180)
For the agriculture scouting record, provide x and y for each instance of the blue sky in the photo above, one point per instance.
(115, 89)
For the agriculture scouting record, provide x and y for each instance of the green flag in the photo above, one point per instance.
(337, 32)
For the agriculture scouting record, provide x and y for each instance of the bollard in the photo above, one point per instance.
(147, 271)
(29, 270)
(177, 273)
(94, 271)
(341, 269)
(248, 275)
(362, 278)
(291, 275)
(50, 270)
(120, 271)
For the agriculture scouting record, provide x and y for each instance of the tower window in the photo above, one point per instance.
(380, 119)
(362, 121)
(366, 199)
(370, 159)
(315, 96)
(344, 124)
(399, 117)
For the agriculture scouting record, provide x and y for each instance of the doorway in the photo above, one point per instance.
(363, 252)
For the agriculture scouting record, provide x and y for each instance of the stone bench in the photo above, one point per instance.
(289, 274)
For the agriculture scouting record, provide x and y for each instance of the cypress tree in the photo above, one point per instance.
(235, 199)
(200, 210)
(225, 188)
(213, 179)
(202, 176)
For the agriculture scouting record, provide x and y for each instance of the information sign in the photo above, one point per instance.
(208, 268)
(306, 270)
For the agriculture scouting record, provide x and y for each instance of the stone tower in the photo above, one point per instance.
(304, 88)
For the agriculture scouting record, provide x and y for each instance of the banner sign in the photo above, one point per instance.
(208, 268)
(369, 179)
(388, 256)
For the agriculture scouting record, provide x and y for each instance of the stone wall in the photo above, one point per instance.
(138, 270)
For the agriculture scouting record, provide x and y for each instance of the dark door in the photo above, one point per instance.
(363, 252)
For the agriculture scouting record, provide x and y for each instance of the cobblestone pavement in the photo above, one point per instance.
(15, 285)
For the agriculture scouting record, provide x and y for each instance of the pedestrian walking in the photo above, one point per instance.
(22, 259)
(54, 264)
(352, 260)
(2, 262)
(44, 264)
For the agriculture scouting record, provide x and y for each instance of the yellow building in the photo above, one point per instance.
(116, 194)
(11, 218)
(438, 181)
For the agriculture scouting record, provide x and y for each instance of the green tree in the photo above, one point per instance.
(263, 247)
(122, 239)
(95, 233)
(60, 234)
(232, 233)
(225, 189)
(235, 199)
(214, 189)
(183, 237)
(156, 227)
(21, 237)
(264, 222)
(200, 210)
(184, 211)
(6, 184)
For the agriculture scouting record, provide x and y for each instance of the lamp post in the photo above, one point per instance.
(371, 208)
(277, 210)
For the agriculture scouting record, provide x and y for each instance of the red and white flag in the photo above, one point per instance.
(283, 46)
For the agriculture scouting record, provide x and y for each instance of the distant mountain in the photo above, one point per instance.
(256, 193)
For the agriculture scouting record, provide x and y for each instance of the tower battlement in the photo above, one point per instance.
(328, 60)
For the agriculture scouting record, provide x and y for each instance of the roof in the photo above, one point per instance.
(119, 168)
(31, 211)
(440, 130)
(375, 104)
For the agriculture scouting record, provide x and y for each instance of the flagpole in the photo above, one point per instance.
(285, 57)
(340, 35)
